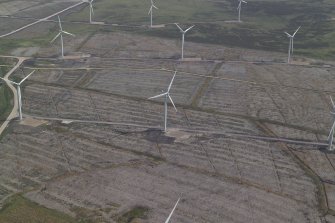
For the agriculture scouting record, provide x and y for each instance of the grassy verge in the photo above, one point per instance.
(18, 209)
(135, 213)
(7, 45)
(6, 102)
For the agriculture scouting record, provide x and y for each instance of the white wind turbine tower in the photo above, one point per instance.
(183, 38)
(167, 98)
(60, 34)
(91, 9)
(174, 208)
(151, 11)
(18, 86)
(239, 9)
(290, 47)
(331, 133)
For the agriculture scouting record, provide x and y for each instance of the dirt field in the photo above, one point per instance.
(108, 170)
(103, 157)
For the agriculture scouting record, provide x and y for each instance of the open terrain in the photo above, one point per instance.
(91, 149)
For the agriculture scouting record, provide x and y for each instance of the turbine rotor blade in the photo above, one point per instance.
(331, 130)
(13, 82)
(331, 100)
(27, 77)
(189, 28)
(296, 31)
(288, 34)
(9, 81)
(68, 33)
(239, 5)
(168, 219)
(172, 103)
(158, 96)
(91, 8)
(181, 30)
(60, 24)
(244, 1)
(150, 10)
(171, 81)
(55, 37)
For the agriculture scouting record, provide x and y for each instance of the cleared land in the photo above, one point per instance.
(85, 95)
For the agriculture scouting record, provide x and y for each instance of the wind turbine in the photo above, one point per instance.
(167, 98)
(60, 34)
(239, 9)
(151, 11)
(183, 38)
(91, 9)
(331, 133)
(290, 47)
(174, 208)
(18, 86)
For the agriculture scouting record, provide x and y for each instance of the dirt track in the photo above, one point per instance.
(14, 112)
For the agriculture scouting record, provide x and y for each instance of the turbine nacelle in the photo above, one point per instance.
(152, 7)
(288, 35)
(183, 31)
(240, 4)
(167, 93)
(153, 4)
(292, 36)
(88, 1)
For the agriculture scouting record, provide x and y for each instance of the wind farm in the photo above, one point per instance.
(179, 115)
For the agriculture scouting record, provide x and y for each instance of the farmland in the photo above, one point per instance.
(90, 147)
